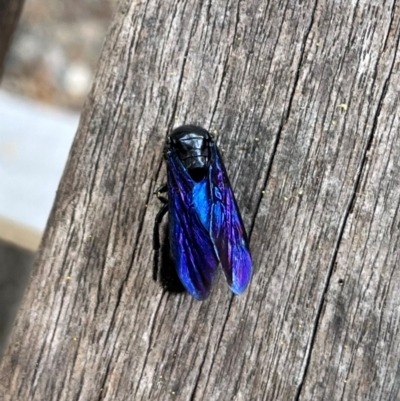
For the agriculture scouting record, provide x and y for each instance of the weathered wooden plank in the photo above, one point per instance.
(270, 78)
(10, 10)
(356, 352)
(348, 62)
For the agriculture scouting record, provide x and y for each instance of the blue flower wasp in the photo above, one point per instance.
(205, 226)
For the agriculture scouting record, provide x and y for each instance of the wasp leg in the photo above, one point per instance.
(156, 238)
(161, 190)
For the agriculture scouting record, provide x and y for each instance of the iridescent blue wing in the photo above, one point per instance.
(191, 245)
(227, 229)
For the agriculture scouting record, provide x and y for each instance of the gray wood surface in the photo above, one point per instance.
(10, 10)
(304, 99)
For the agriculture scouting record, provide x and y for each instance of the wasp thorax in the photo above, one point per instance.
(193, 150)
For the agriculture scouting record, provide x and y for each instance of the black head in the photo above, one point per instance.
(192, 145)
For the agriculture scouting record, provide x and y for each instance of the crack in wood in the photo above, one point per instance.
(282, 123)
(348, 212)
(284, 78)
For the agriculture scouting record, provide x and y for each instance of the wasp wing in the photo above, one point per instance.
(227, 229)
(191, 245)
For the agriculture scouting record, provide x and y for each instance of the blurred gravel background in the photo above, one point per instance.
(55, 50)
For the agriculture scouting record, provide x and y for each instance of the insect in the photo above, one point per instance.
(205, 226)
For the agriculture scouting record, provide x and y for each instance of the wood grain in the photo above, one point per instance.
(358, 338)
(303, 97)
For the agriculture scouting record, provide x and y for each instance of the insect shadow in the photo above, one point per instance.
(168, 276)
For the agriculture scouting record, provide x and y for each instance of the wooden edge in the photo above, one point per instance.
(19, 234)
